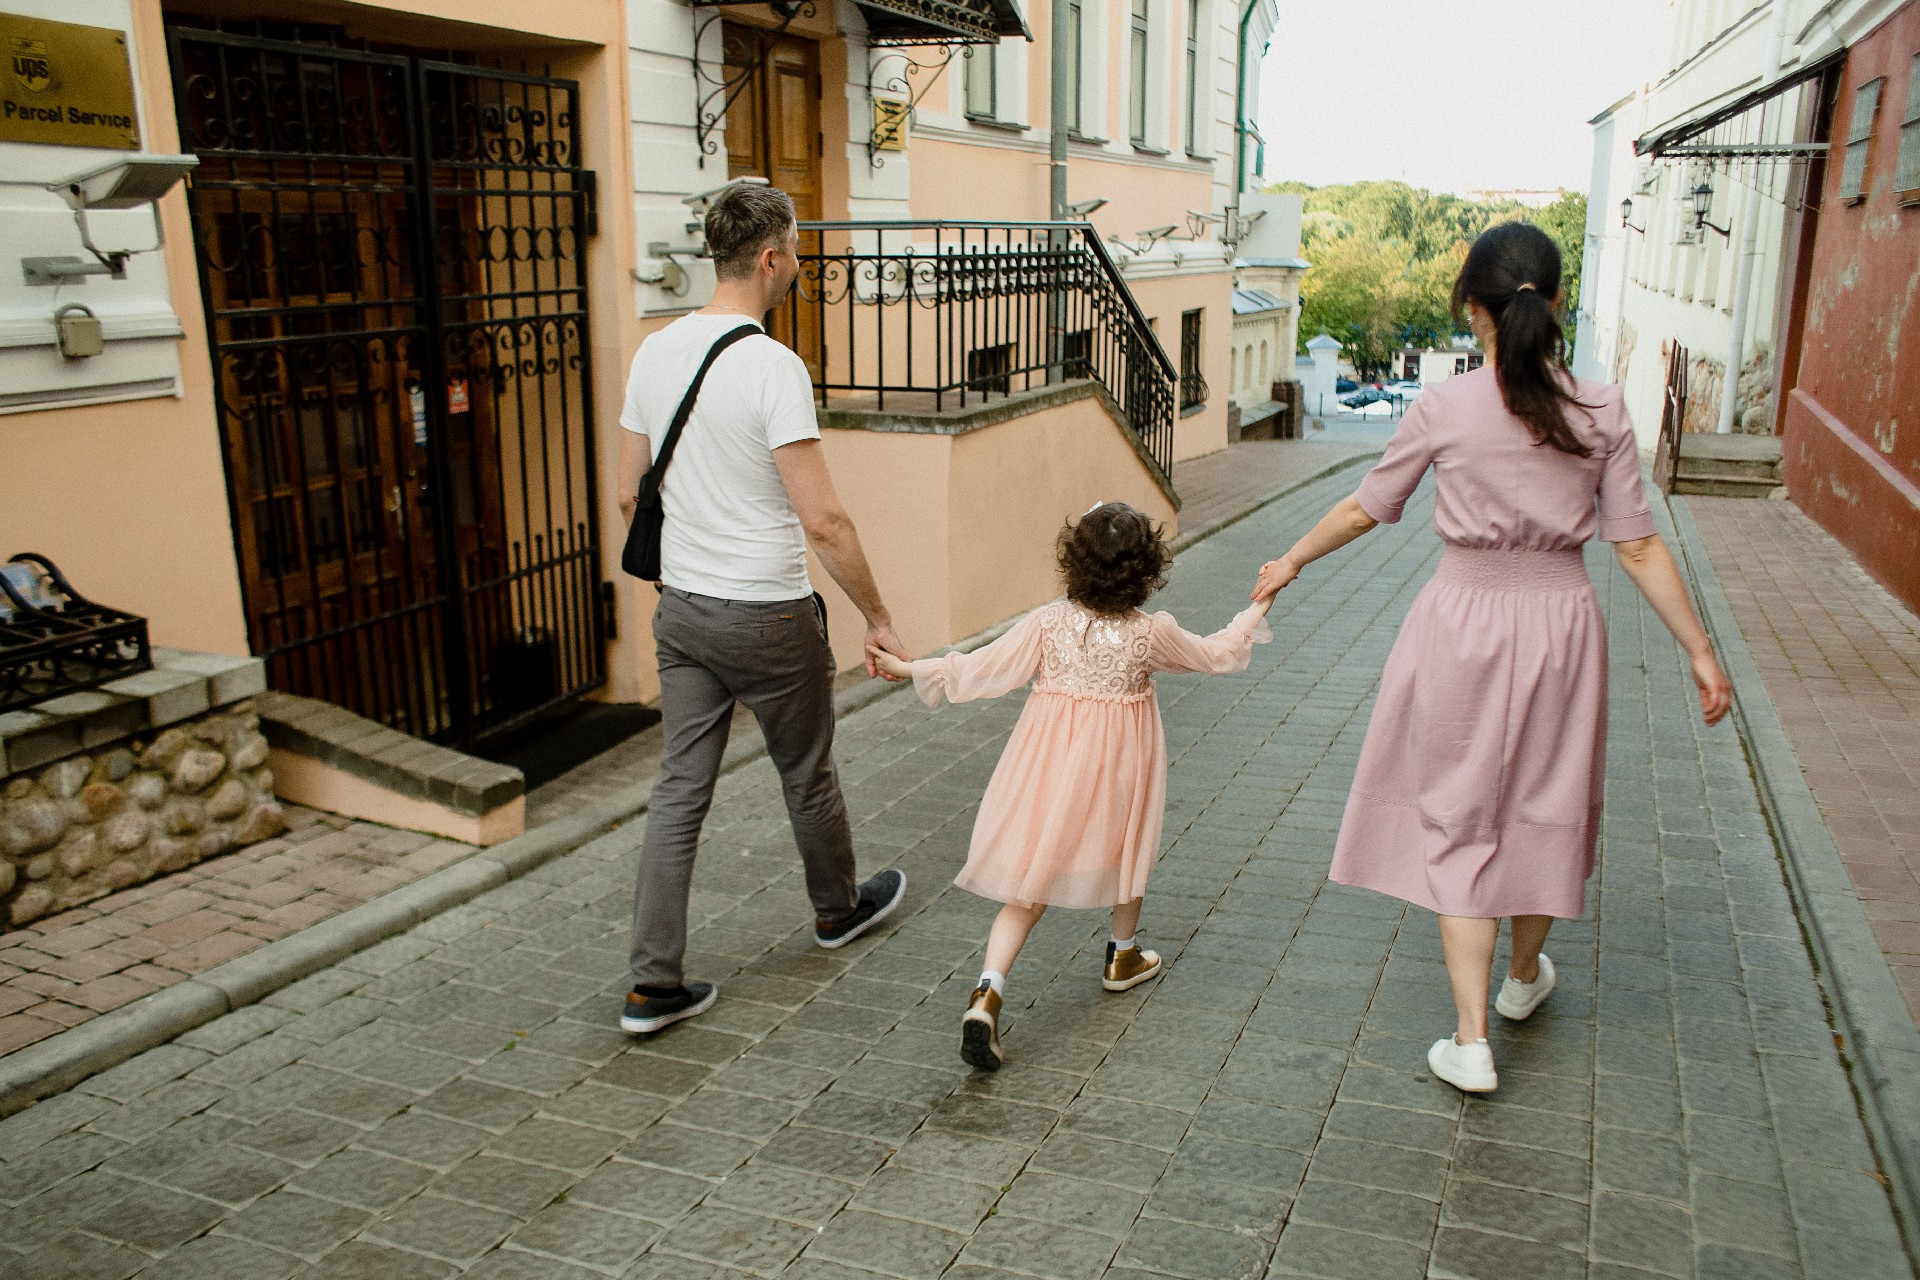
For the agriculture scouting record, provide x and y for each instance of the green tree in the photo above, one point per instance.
(1386, 255)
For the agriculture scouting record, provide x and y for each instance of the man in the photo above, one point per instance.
(745, 494)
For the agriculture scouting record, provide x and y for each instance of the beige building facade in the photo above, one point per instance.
(356, 415)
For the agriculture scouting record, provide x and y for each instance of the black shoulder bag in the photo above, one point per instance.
(641, 556)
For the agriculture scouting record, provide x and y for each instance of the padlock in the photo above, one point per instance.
(79, 331)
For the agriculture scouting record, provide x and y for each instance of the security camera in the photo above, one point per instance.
(700, 201)
(1081, 208)
(127, 183)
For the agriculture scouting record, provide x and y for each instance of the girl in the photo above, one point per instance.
(1479, 785)
(1072, 816)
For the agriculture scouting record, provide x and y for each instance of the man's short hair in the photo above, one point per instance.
(742, 220)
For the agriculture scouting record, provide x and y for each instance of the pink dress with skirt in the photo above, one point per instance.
(1479, 786)
(1072, 816)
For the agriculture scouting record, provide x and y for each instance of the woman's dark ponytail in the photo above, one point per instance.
(1513, 272)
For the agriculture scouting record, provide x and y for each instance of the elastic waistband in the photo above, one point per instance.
(1512, 569)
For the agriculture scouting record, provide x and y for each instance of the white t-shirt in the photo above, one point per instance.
(730, 528)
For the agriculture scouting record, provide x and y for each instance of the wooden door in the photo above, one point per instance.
(773, 132)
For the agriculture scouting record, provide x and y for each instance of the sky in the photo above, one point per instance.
(1469, 95)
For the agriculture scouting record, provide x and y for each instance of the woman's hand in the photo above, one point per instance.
(1716, 691)
(890, 667)
(1274, 576)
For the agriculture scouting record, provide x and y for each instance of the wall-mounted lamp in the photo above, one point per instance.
(1081, 208)
(132, 182)
(1702, 196)
(1626, 216)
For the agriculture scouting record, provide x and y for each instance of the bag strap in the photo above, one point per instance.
(685, 410)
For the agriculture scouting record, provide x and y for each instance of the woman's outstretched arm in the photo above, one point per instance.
(1650, 565)
(1347, 521)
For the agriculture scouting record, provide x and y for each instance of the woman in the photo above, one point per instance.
(1479, 787)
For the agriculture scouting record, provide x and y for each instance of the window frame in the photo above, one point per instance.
(1194, 17)
(1139, 70)
(1193, 383)
(988, 67)
(1076, 74)
(1857, 158)
(1906, 178)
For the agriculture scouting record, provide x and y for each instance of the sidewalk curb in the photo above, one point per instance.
(1218, 523)
(1878, 1039)
(65, 1059)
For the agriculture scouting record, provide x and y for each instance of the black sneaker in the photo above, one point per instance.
(878, 896)
(649, 1010)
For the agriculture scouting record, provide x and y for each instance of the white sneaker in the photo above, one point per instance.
(1517, 1000)
(1467, 1067)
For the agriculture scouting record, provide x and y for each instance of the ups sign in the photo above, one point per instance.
(66, 84)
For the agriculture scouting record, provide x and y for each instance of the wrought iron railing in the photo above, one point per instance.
(53, 640)
(955, 313)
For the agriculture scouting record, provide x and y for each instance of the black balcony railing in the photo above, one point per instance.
(949, 314)
(53, 640)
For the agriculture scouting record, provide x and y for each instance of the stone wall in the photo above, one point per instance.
(103, 789)
(104, 820)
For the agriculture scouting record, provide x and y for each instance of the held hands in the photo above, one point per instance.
(1716, 691)
(887, 666)
(886, 656)
(1274, 577)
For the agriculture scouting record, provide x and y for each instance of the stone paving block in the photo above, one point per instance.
(1460, 1254)
(1650, 1234)
(446, 1230)
(739, 1240)
(1038, 1249)
(1196, 1252)
(1329, 1253)
(577, 1233)
(511, 1186)
(305, 1225)
(888, 1245)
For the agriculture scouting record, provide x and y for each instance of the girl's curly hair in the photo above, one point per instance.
(1112, 559)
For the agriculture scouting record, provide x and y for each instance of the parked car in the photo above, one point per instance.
(1343, 385)
(1365, 396)
(1404, 388)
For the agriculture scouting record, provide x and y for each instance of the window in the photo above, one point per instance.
(1263, 363)
(1193, 387)
(991, 369)
(1076, 353)
(1076, 28)
(1866, 106)
(980, 80)
(1137, 75)
(1193, 77)
(1907, 180)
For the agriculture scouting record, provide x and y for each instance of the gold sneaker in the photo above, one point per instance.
(980, 1029)
(1129, 968)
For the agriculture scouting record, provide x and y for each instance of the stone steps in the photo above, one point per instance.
(1732, 466)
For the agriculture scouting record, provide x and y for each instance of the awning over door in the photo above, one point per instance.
(891, 22)
(1705, 138)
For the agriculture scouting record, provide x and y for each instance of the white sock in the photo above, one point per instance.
(996, 979)
(1121, 944)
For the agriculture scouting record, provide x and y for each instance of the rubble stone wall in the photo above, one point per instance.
(126, 811)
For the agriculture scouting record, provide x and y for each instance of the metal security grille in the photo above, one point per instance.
(391, 252)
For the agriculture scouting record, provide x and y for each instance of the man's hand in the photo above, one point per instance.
(890, 668)
(880, 639)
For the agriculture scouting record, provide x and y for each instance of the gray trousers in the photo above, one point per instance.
(774, 659)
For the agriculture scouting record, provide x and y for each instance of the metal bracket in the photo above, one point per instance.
(900, 84)
(708, 118)
(67, 269)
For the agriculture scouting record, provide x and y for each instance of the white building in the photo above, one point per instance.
(1701, 166)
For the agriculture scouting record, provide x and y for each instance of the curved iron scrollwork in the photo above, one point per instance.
(752, 50)
(898, 84)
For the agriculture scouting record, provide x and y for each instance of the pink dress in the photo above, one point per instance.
(1479, 786)
(1072, 816)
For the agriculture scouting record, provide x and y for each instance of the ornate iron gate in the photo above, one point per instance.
(391, 253)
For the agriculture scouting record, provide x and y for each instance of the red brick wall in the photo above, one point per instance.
(1851, 424)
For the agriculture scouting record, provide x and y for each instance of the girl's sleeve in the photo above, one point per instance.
(1228, 649)
(1624, 511)
(1384, 492)
(987, 672)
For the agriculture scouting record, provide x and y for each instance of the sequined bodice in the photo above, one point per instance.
(1090, 655)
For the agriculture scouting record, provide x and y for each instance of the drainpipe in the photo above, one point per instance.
(1749, 242)
(1240, 105)
(1059, 111)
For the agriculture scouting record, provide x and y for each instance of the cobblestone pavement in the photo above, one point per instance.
(1841, 661)
(63, 970)
(457, 1100)
(1224, 483)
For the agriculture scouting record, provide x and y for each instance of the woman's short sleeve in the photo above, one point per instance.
(1623, 508)
(1384, 492)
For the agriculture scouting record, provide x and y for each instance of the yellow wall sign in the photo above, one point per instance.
(66, 84)
(889, 124)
